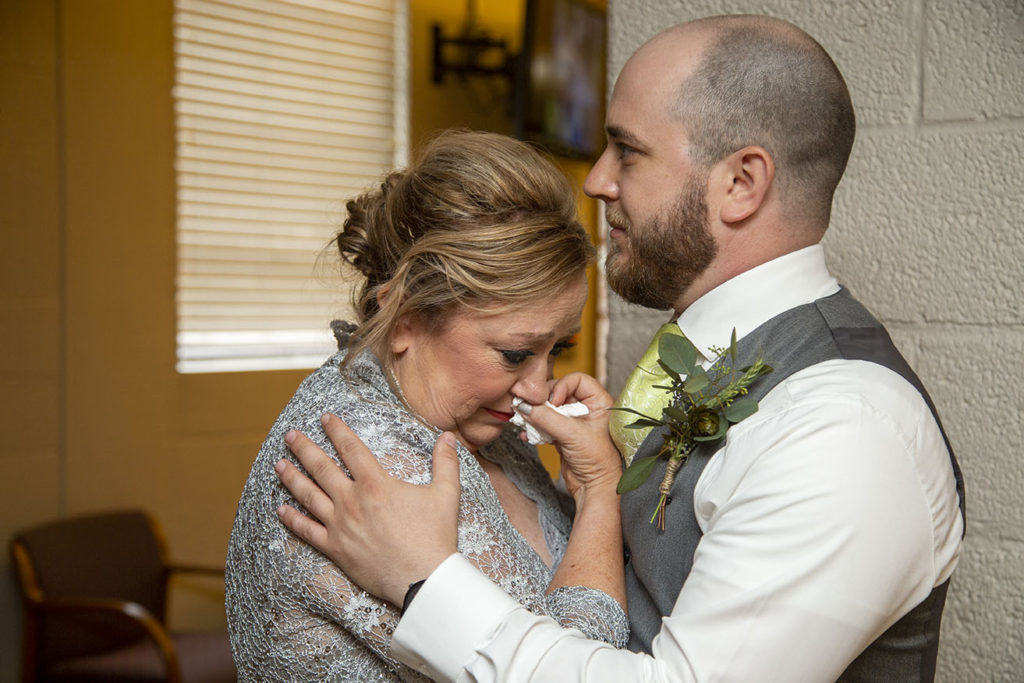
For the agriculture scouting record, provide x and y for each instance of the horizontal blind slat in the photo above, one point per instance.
(325, 11)
(361, 131)
(285, 109)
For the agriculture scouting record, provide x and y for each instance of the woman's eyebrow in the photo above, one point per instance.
(530, 337)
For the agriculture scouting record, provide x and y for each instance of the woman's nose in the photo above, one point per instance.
(532, 385)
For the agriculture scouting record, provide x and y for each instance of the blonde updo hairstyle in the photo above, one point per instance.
(480, 220)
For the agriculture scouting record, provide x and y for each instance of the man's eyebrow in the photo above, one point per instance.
(620, 133)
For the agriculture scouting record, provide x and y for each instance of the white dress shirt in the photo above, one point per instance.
(827, 515)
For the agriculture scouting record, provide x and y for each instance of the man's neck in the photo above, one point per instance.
(728, 265)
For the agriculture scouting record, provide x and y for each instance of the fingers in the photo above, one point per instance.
(446, 464)
(310, 531)
(320, 466)
(558, 424)
(546, 419)
(581, 387)
(360, 462)
(304, 490)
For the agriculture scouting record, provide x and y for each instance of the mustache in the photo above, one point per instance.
(615, 218)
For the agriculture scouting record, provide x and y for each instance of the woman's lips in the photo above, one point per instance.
(499, 415)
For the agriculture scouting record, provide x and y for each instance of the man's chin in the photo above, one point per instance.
(617, 258)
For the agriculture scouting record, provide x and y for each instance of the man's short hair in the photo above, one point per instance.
(765, 82)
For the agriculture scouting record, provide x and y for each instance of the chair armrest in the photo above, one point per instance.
(122, 610)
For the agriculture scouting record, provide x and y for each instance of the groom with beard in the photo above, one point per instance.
(815, 542)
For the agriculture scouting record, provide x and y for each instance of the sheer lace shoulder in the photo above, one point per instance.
(294, 616)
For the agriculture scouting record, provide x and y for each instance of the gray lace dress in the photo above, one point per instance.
(294, 616)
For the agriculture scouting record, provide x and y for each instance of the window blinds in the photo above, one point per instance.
(284, 109)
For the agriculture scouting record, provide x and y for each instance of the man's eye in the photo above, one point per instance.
(560, 347)
(625, 151)
(516, 357)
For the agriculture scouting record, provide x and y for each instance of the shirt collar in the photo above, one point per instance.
(756, 296)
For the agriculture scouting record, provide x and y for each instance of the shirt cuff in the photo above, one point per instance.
(457, 610)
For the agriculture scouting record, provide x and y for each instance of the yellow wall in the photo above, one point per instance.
(94, 414)
(482, 103)
(471, 103)
(30, 289)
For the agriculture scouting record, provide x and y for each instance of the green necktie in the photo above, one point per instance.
(639, 394)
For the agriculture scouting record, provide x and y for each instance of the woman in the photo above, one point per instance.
(475, 280)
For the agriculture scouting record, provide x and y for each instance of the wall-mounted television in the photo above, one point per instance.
(560, 79)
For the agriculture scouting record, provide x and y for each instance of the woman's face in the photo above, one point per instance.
(463, 378)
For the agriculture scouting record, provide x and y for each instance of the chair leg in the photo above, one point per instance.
(29, 645)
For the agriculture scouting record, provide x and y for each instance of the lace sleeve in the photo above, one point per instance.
(595, 613)
(299, 617)
(346, 614)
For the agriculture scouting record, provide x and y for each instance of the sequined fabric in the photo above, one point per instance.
(294, 616)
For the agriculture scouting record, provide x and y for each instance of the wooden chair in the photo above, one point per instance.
(94, 592)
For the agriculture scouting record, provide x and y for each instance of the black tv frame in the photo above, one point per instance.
(565, 118)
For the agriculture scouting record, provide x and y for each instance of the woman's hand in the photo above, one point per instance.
(589, 457)
(591, 467)
(384, 533)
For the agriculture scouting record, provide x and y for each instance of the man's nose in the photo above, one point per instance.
(601, 182)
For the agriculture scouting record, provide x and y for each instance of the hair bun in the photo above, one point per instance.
(364, 240)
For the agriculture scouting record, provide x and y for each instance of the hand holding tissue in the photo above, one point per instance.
(537, 436)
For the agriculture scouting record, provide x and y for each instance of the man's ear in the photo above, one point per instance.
(746, 176)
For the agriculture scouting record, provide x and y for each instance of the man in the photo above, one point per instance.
(817, 543)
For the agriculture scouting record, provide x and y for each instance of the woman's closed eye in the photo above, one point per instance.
(515, 357)
(562, 346)
(519, 356)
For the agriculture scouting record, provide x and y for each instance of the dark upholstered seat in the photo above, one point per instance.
(94, 592)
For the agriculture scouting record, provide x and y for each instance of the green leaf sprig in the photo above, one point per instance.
(702, 407)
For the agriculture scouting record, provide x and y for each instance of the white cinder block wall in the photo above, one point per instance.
(927, 232)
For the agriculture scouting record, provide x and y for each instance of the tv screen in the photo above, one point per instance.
(560, 95)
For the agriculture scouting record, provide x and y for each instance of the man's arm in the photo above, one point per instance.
(354, 512)
(817, 537)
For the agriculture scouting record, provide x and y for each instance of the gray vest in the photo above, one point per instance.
(830, 328)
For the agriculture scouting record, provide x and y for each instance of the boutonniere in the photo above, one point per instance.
(702, 406)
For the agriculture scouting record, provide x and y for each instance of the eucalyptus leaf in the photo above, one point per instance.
(676, 414)
(623, 409)
(668, 370)
(740, 409)
(732, 345)
(677, 353)
(697, 381)
(636, 474)
(644, 422)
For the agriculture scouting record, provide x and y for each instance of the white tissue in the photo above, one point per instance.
(537, 436)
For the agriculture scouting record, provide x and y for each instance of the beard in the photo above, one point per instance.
(664, 256)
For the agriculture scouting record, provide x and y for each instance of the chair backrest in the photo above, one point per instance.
(116, 555)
